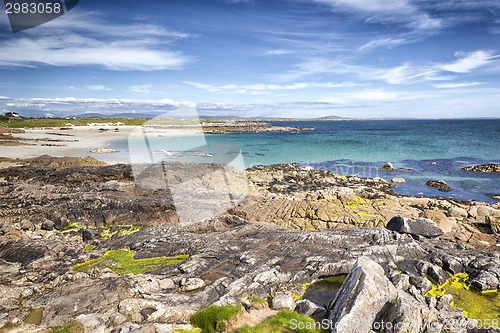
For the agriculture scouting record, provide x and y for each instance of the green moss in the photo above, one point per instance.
(285, 321)
(72, 227)
(131, 230)
(296, 297)
(215, 318)
(123, 262)
(89, 248)
(106, 233)
(71, 326)
(476, 304)
(336, 279)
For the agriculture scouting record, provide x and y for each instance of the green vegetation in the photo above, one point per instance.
(71, 326)
(285, 321)
(339, 279)
(71, 227)
(106, 233)
(62, 122)
(215, 318)
(257, 300)
(476, 304)
(187, 330)
(89, 248)
(123, 262)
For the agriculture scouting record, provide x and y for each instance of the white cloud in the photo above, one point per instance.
(469, 61)
(382, 42)
(84, 41)
(456, 85)
(98, 87)
(143, 89)
(266, 88)
(278, 52)
(394, 11)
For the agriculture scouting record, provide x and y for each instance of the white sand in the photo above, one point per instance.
(83, 140)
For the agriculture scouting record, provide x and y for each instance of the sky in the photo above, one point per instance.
(258, 58)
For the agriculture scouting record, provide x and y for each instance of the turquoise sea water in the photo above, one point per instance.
(362, 147)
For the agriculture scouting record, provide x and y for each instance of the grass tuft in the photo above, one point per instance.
(215, 318)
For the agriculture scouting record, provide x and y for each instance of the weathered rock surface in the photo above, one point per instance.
(363, 294)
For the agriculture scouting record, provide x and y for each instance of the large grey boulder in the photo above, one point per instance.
(416, 226)
(362, 296)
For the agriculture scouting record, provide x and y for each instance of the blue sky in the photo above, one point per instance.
(293, 58)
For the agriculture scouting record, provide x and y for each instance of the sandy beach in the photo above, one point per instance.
(79, 141)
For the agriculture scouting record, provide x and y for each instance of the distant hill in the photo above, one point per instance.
(331, 117)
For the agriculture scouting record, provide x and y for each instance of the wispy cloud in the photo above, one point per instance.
(383, 11)
(85, 41)
(98, 87)
(456, 85)
(262, 87)
(469, 61)
(278, 52)
(143, 89)
(406, 73)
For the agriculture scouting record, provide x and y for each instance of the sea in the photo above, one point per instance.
(420, 150)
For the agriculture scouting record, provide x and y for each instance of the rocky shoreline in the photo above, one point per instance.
(73, 233)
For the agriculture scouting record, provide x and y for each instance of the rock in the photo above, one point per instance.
(310, 309)
(421, 283)
(483, 211)
(483, 280)
(452, 265)
(103, 151)
(47, 225)
(457, 212)
(387, 166)
(440, 184)
(7, 304)
(483, 168)
(26, 225)
(401, 281)
(283, 302)
(90, 234)
(442, 221)
(192, 284)
(415, 226)
(362, 296)
(437, 274)
(60, 223)
(405, 315)
(137, 317)
(147, 329)
(117, 319)
(398, 180)
(92, 322)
